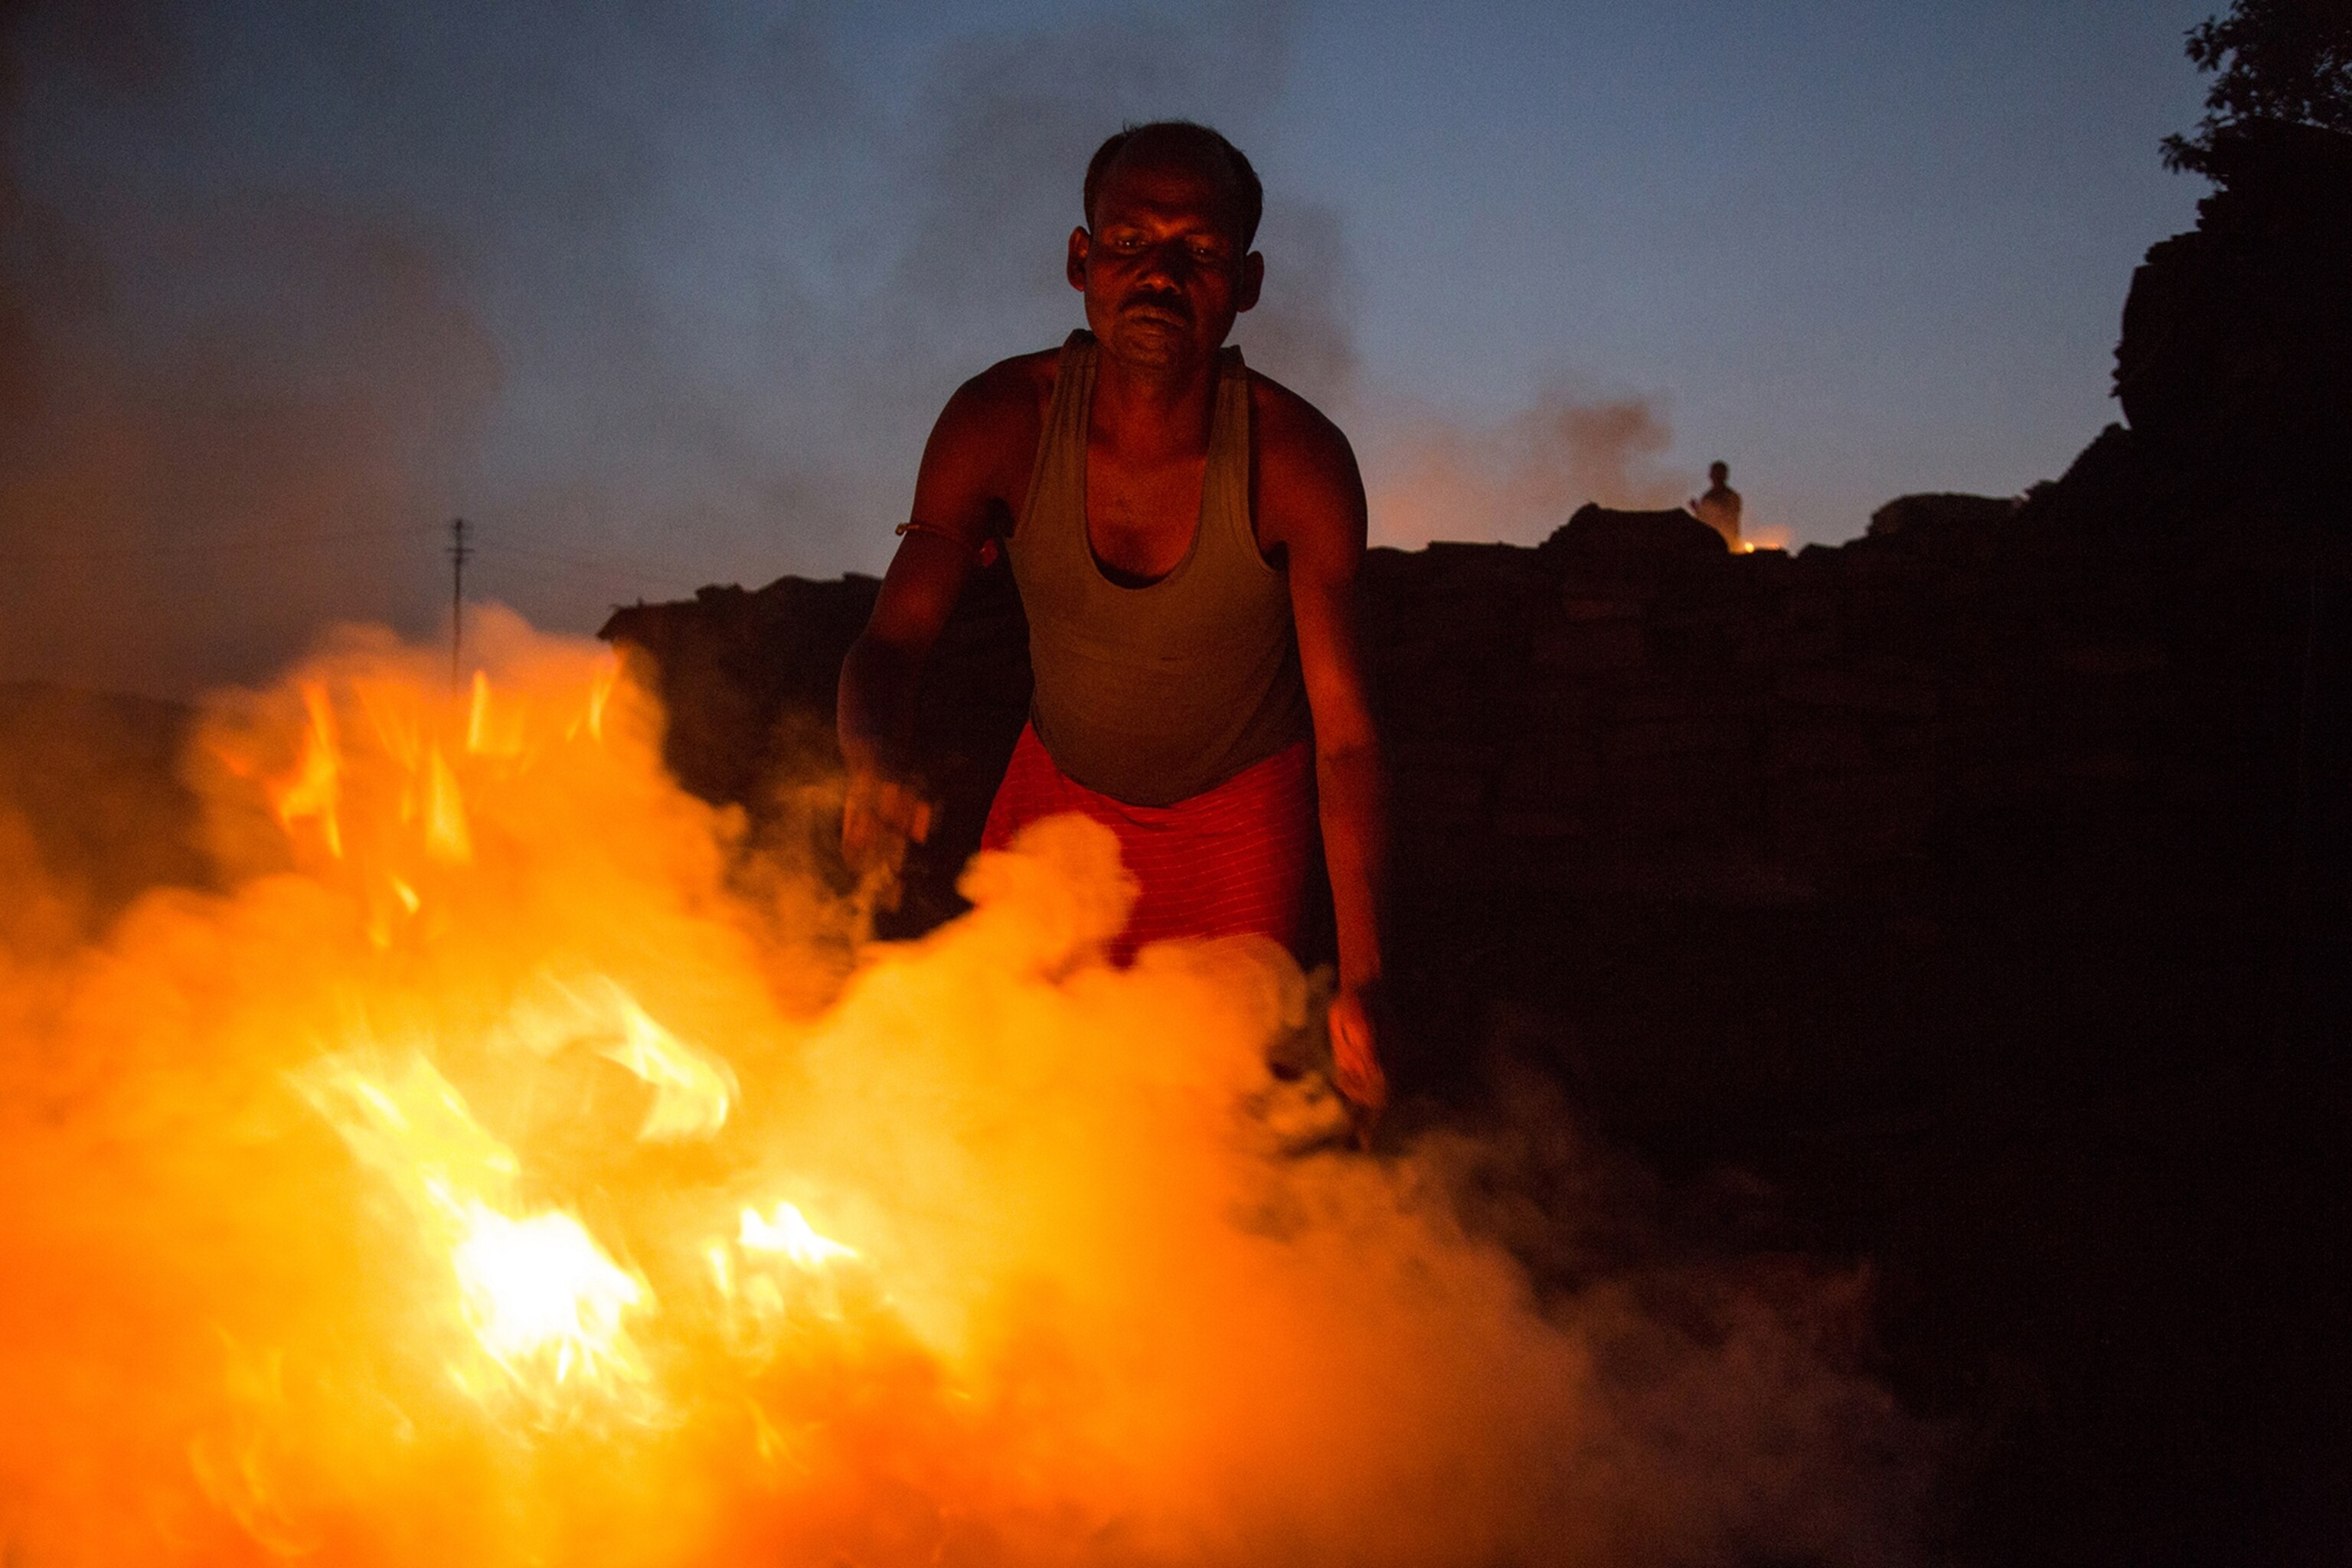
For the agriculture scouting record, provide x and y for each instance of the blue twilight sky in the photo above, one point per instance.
(666, 295)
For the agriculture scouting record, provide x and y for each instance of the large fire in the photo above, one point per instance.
(497, 1171)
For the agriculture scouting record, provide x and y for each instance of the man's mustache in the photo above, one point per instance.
(1169, 304)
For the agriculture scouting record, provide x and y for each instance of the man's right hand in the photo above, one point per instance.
(880, 816)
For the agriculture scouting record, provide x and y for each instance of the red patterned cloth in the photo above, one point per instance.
(1229, 860)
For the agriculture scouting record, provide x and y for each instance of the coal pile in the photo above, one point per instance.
(1978, 888)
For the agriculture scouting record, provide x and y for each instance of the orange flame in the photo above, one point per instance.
(312, 792)
(446, 835)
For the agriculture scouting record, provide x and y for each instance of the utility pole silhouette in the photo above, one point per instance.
(459, 554)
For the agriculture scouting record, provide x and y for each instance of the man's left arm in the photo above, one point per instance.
(1312, 503)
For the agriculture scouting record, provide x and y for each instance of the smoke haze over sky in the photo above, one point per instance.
(666, 296)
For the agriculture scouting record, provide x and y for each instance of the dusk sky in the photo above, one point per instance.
(660, 295)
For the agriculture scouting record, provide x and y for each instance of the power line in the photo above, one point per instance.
(613, 591)
(468, 540)
(534, 544)
(210, 547)
(629, 570)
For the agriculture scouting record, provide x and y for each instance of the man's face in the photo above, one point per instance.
(1162, 268)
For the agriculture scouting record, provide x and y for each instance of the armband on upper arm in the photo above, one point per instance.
(985, 553)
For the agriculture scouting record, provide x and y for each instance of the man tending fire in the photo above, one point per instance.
(1185, 535)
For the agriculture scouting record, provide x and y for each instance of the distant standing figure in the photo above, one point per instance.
(1719, 508)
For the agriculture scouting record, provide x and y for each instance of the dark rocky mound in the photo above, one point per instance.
(1982, 885)
(1941, 510)
(1598, 530)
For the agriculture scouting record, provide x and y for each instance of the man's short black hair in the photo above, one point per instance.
(1186, 138)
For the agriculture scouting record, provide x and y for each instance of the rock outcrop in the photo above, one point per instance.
(2236, 357)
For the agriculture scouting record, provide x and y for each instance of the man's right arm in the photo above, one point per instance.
(975, 460)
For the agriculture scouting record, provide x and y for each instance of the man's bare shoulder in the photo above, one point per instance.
(1292, 429)
(1012, 389)
(986, 438)
(1306, 470)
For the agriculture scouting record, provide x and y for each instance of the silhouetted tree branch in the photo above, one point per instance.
(2287, 60)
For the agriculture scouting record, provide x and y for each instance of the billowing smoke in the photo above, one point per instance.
(654, 297)
(479, 1177)
(1518, 478)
